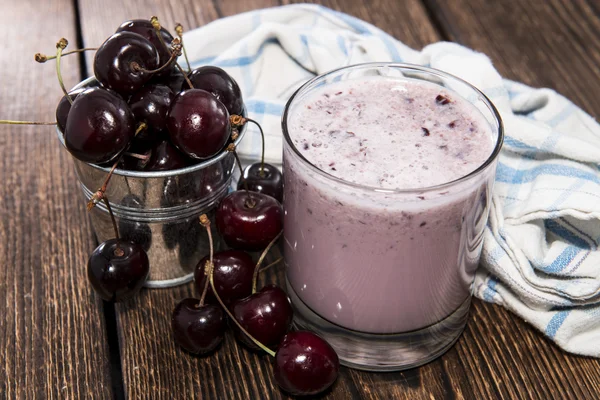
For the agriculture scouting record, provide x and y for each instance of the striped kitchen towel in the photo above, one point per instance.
(540, 256)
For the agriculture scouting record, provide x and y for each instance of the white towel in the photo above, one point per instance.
(540, 256)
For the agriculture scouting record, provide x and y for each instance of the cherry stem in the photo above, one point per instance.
(205, 222)
(9, 122)
(136, 67)
(99, 195)
(260, 260)
(143, 157)
(112, 217)
(209, 271)
(156, 25)
(261, 172)
(42, 58)
(231, 149)
(60, 46)
(179, 31)
(271, 265)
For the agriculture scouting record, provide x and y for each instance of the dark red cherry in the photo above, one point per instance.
(63, 108)
(305, 364)
(232, 275)
(142, 148)
(268, 181)
(133, 230)
(117, 270)
(151, 104)
(115, 60)
(144, 28)
(198, 124)
(197, 328)
(99, 127)
(174, 80)
(249, 221)
(220, 84)
(165, 157)
(266, 315)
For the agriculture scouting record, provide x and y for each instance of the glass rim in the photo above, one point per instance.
(155, 174)
(404, 66)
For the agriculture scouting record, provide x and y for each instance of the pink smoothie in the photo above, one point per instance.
(381, 260)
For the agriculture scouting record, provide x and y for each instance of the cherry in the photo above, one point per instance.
(305, 364)
(262, 178)
(99, 127)
(138, 154)
(248, 220)
(221, 85)
(175, 80)
(117, 269)
(165, 157)
(135, 231)
(233, 271)
(144, 28)
(122, 61)
(198, 124)
(266, 315)
(151, 105)
(64, 105)
(198, 328)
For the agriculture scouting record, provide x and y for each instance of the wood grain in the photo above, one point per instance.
(553, 43)
(499, 356)
(52, 334)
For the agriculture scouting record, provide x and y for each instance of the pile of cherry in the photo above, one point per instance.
(144, 112)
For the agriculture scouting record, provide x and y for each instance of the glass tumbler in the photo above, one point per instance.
(385, 276)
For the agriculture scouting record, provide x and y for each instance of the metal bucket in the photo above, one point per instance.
(160, 210)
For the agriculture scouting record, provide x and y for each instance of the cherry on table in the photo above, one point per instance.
(198, 124)
(264, 178)
(249, 220)
(117, 269)
(233, 271)
(266, 315)
(305, 364)
(116, 59)
(198, 328)
(99, 126)
(220, 84)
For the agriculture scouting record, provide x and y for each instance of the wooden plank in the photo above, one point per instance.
(498, 356)
(52, 334)
(553, 43)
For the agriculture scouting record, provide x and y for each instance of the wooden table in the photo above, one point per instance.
(58, 340)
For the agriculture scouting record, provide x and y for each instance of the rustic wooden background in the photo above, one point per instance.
(59, 341)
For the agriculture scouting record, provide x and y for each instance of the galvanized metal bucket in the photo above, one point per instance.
(163, 215)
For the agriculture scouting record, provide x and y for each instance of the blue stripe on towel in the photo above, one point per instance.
(254, 107)
(490, 290)
(566, 234)
(510, 175)
(563, 260)
(555, 323)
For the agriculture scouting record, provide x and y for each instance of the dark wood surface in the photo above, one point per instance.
(53, 340)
